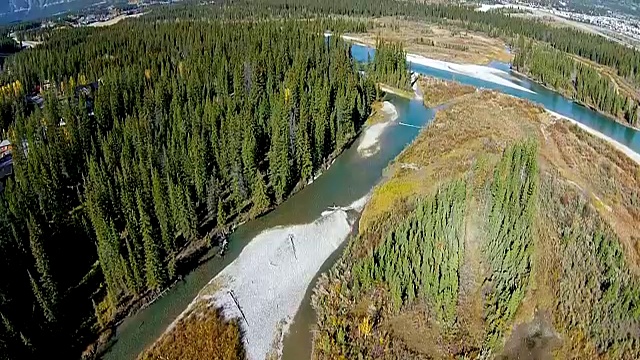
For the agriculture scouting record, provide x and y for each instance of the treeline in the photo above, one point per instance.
(420, 258)
(625, 60)
(12, 101)
(389, 65)
(21, 26)
(414, 273)
(509, 239)
(8, 45)
(38, 34)
(151, 135)
(576, 79)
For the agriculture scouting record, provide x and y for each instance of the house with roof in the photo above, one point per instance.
(5, 148)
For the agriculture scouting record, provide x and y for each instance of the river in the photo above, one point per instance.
(351, 177)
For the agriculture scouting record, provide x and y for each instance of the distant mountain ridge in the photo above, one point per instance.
(18, 10)
(28, 5)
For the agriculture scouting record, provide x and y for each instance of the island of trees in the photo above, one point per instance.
(490, 249)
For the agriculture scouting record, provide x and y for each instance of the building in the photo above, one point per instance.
(6, 162)
(5, 148)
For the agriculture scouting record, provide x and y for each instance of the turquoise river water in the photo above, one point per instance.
(349, 178)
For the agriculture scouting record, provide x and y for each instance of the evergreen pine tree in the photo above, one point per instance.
(160, 202)
(155, 272)
(261, 200)
(222, 214)
(45, 306)
(42, 260)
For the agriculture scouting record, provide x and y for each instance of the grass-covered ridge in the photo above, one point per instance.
(492, 231)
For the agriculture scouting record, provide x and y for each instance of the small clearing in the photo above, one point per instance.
(115, 20)
(443, 42)
(437, 91)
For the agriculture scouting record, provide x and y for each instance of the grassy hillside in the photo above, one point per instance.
(500, 233)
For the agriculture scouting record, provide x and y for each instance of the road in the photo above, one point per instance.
(25, 43)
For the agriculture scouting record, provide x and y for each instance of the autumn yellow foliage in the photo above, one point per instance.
(203, 334)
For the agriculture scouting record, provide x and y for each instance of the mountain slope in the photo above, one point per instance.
(502, 232)
(16, 10)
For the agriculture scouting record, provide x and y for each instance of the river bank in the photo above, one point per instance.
(480, 72)
(620, 147)
(443, 41)
(195, 254)
(265, 285)
(581, 103)
(392, 90)
(342, 181)
(369, 144)
(241, 279)
(434, 213)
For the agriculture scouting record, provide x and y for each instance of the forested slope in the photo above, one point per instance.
(389, 66)
(624, 59)
(151, 136)
(158, 134)
(550, 67)
(582, 82)
(500, 240)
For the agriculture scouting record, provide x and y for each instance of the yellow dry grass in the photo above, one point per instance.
(377, 116)
(609, 177)
(470, 134)
(394, 90)
(437, 91)
(465, 140)
(442, 42)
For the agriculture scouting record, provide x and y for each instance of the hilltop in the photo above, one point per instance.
(500, 231)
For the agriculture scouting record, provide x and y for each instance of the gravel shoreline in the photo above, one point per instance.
(369, 144)
(265, 285)
(485, 73)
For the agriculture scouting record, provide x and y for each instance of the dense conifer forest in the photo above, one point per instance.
(8, 45)
(156, 135)
(389, 66)
(625, 60)
(577, 80)
(591, 89)
(150, 136)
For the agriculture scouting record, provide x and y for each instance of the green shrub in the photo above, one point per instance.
(509, 242)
